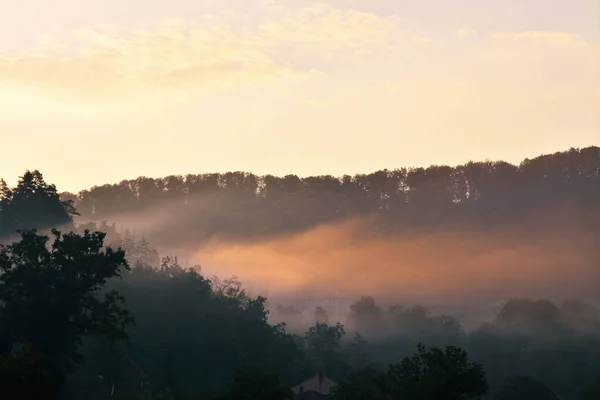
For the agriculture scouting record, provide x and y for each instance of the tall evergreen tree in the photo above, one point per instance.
(33, 204)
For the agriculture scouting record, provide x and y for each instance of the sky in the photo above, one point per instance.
(96, 91)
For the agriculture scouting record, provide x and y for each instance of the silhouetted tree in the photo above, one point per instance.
(366, 313)
(364, 384)
(357, 350)
(475, 193)
(436, 374)
(32, 204)
(323, 345)
(53, 295)
(529, 316)
(252, 383)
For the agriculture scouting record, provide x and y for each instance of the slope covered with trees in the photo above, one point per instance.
(241, 204)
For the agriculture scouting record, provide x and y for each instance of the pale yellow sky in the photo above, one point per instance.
(98, 91)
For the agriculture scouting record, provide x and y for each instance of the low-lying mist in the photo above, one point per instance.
(465, 272)
(446, 268)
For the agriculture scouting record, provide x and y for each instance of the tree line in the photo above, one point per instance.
(244, 204)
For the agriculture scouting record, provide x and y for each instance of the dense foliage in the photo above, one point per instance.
(238, 204)
(32, 204)
(429, 374)
(54, 296)
(77, 322)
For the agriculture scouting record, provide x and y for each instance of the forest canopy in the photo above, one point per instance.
(241, 204)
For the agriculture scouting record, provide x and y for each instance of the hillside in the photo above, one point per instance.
(551, 188)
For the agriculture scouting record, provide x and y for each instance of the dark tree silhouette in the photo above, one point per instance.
(323, 346)
(436, 374)
(476, 193)
(252, 383)
(32, 204)
(53, 295)
(529, 315)
(357, 351)
(363, 384)
(366, 314)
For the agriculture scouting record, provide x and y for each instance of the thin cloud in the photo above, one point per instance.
(112, 63)
(564, 38)
(189, 56)
(329, 28)
(466, 32)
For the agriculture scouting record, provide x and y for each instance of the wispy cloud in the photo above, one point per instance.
(328, 28)
(191, 56)
(544, 36)
(111, 63)
(466, 32)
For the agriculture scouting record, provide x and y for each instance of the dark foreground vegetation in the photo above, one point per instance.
(90, 313)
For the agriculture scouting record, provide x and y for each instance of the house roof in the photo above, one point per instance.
(318, 383)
